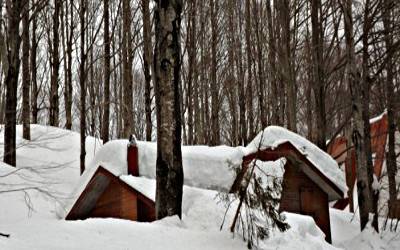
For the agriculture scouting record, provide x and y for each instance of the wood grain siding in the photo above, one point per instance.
(88, 199)
(107, 196)
(301, 195)
(292, 154)
(116, 202)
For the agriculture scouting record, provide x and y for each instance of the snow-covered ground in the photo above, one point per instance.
(32, 195)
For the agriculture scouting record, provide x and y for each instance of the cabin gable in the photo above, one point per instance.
(107, 196)
(301, 195)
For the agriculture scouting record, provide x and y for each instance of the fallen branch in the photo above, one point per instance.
(5, 235)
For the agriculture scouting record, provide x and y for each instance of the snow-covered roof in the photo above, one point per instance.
(145, 186)
(204, 167)
(207, 167)
(273, 136)
(378, 118)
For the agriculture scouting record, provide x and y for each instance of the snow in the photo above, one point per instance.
(142, 184)
(50, 163)
(205, 167)
(201, 210)
(375, 184)
(273, 136)
(377, 118)
(346, 233)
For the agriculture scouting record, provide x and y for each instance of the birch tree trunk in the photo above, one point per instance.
(167, 65)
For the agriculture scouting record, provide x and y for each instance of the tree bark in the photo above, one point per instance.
(272, 65)
(26, 113)
(14, 10)
(167, 56)
(365, 102)
(33, 69)
(147, 47)
(215, 129)
(68, 84)
(318, 81)
(358, 131)
(192, 65)
(260, 65)
(241, 88)
(55, 63)
(390, 102)
(107, 74)
(82, 79)
(128, 126)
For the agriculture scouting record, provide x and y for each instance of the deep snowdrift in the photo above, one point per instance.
(48, 171)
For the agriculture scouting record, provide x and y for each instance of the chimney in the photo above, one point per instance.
(133, 157)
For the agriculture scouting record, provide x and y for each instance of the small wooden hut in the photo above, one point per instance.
(106, 195)
(306, 190)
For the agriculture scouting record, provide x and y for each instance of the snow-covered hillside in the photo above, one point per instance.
(32, 195)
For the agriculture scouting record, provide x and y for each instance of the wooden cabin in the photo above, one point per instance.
(346, 157)
(106, 195)
(306, 190)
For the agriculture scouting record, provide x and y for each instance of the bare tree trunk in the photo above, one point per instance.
(272, 65)
(318, 74)
(26, 131)
(215, 137)
(147, 46)
(167, 55)
(68, 84)
(286, 65)
(127, 70)
(249, 89)
(55, 62)
(232, 83)
(391, 155)
(14, 10)
(107, 74)
(33, 68)
(241, 88)
(261, 79)
(202, 92)
(358, 134)
(91, 83)
(82, 79)
(192, 65)
(365, 101)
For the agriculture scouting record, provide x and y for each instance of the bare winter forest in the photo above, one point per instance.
(207, 72)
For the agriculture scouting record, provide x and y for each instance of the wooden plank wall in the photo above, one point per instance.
(301, 195)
